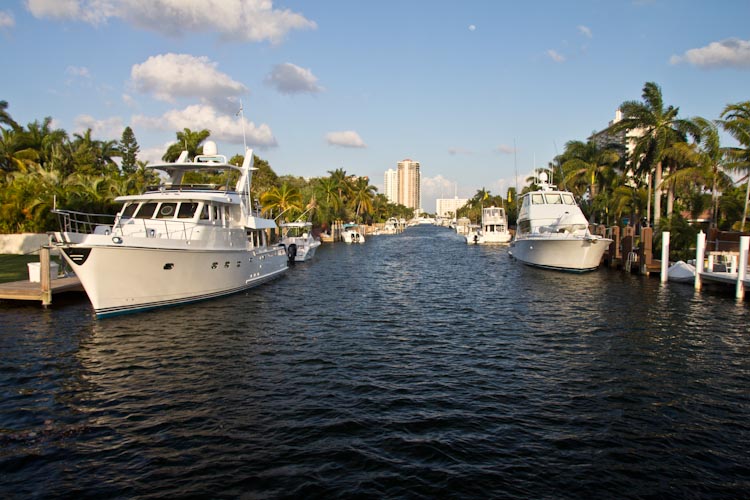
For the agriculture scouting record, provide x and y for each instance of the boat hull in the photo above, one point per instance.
(120, 280)
(488, 239)
(569, 254)
(306, 252)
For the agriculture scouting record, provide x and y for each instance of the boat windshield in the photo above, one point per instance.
(554, 198)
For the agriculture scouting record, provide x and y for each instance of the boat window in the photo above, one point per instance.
(537, 199)
(166, 211)
(554, 199)
(129, 210)
(568, 199)
(187, 210)
(147, 210)
(204, 212)
(215, 213)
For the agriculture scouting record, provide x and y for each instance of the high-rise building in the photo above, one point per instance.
(409, 188)
(391, 185)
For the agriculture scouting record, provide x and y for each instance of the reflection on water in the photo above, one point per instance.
(413, 365)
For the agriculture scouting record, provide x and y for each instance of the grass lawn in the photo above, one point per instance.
(14, 268)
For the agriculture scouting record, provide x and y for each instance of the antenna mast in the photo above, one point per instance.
(241, 114)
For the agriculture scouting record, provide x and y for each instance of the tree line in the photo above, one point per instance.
(674, 169)
(42, 167)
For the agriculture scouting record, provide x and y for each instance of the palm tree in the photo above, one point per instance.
(282, 199)
(189, 141)
(5, 118)
(362, 196)
(588, 168)
(736, 121)
(326, 189)
(661, 129)
(703, 164)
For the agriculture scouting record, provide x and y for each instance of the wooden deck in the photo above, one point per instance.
(26, 290)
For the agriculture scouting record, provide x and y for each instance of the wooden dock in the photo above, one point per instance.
(42, 290)
(27, 290)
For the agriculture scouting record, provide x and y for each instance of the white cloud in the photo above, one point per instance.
(240, 20)
(109, 129)
(288, 78)
(90, 11)
(459, 151)
(472, 27)
(79, 71)
(730, 53)
(171, 76)
(346, 139)
(505, 149)
(6, 20)
(555, 56)
(585, 31)
(223, 127)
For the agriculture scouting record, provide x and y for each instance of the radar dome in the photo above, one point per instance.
(209, 148)
(543, 176)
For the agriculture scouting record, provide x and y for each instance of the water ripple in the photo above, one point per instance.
(412, 366)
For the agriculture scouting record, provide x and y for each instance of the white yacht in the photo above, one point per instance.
(494, 229)
(553, 233)
(351, 234)
(298, 240)
(175, 243)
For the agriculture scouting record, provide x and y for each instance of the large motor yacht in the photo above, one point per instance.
(175, 243)
(494, 228)
(553, 233)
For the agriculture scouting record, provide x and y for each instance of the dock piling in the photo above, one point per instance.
(700, 251)
(664, 256)
(742, 267)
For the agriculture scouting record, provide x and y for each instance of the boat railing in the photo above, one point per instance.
(189, 187)
(156, 228)
(87, 223)
(81, 222)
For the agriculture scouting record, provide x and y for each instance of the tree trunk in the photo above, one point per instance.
(744, 212)
(714, 202)
(657, 194)
(670, 200)
(648, 202)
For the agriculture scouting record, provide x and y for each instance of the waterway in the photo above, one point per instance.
(413, 366)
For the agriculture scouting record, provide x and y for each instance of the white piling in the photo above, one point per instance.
(700, 250)
(664, 255)
(742, 266)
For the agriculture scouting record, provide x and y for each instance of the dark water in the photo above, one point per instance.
(412, 366)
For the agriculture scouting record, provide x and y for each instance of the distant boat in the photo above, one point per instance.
(494, 228)
(298, 240)
(175, 243)
(553, 233)
(351, 234)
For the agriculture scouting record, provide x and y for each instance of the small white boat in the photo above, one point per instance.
(553, 233)
(298, 240)
(494, 228)
(351, 234)
(391, 226)
(175, 243)
(681, 272)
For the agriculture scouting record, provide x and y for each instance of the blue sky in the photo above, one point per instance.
(362, 85)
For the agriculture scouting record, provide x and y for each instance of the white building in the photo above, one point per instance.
(447, 207)
(390, 188)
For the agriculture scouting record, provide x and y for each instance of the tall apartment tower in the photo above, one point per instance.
(391, 185)
(409, 187)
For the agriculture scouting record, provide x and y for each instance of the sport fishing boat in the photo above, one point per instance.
(553, 233)
(175, 243)
(494, 229)
(298, 240)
